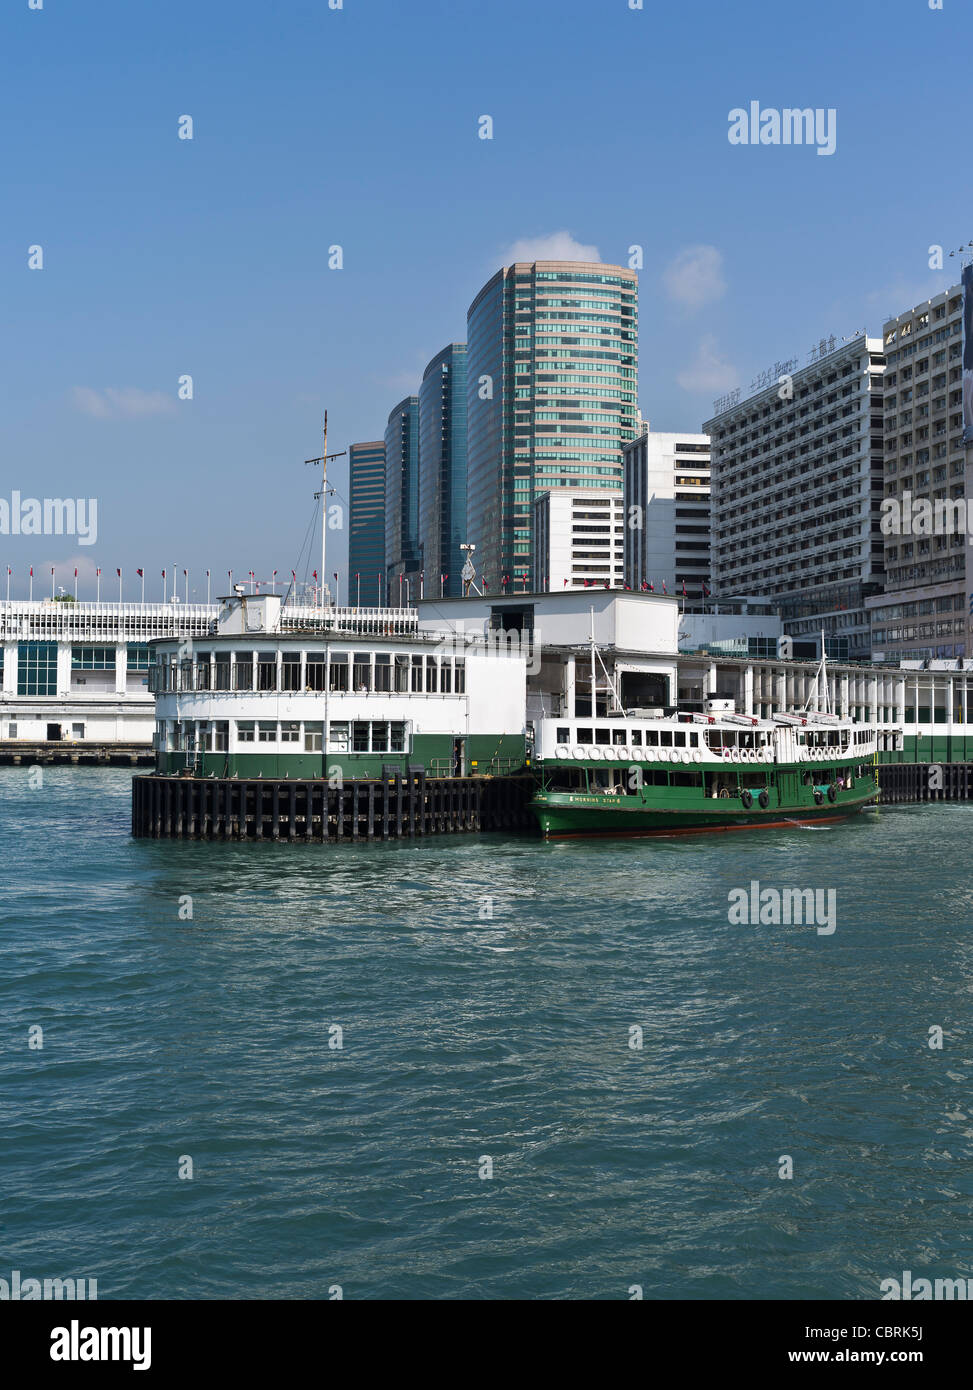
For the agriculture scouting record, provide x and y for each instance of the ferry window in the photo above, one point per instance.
(244, 730)
(402, 673)
(679, 738)
(338, 736)
(618, 736)
(564, 735)
(380, 737)
(636, 738)
(584, 736)
(290, 731)
(361, 679)
(665, 736)
(266, 731)
(432, 675)
(602, 736)
(446, 677)
(221, 737)
(313, 734)
(290, 671)
(685, 779)
(360, 736)
(460, 671)
(397, 742)
(383, 671)
(339, 671)
(694, 740)
(417, 674)
(316, 671)
(243, 671)
(652, 737)
(266, 672)
(600, 778)
(221, 672)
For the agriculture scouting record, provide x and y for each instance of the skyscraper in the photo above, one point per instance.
(366, 522)
(667, 530)
(442, 470)
(551, 390)
(402, 495)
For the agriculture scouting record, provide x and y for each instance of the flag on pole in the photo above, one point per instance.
(140, 574)
(118, 572)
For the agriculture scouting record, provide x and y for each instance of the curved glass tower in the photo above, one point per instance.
(442, 470)
(552, 390)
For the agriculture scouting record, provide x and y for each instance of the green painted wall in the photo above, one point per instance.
(485, 754)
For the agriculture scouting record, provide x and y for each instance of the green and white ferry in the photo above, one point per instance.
(649, 773)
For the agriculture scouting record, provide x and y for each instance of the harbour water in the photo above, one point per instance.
(486, 990)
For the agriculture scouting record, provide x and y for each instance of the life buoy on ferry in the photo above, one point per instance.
(621, 751)
(594, 753)
(697, 756)
(651, 755)
(685, 756)
(735, 755)
(578, 753)
(562, 752)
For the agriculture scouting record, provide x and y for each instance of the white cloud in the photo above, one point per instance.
(121, 402)
(695, 277)
(709, 372)
(559, 246)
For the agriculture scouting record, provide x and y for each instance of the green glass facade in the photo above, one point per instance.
(442, 470)
(552, 395)
(366, 537)
(402, 493)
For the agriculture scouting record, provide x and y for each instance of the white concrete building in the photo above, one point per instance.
(667, 512)
(579, 537)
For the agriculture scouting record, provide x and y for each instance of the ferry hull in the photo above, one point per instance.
(560, 818)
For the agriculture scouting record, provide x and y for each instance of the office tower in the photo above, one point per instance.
(402, 501)
(552, 392)
(923, 612)
(442, 471)
(578, 540)
(366, 523)
(796, 482)
(667, 512)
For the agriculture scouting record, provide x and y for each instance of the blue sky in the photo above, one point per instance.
(358, 127)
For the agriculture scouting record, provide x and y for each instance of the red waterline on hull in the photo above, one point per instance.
(695, 829)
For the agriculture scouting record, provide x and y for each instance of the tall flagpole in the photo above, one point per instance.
(323, 494)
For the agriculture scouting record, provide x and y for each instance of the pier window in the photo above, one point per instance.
(380, 736)
(362, 671)
(446, 677)
(290, 731)
(397, 736)
(243, 671)
(204, 671)
(204, 736)
(360, 736)
(313, 735)
(221, 671)
(221, 737)
(383, 672)
(432, 675)
(339, 671)
(417, 675)
(459, 670)
(138, 656)
(316, 671)
(290, 671)
(245, 731)
(338, 735)
(266, 671)
(402, 674)
(266, 731)
(92, 658)
(37, 668)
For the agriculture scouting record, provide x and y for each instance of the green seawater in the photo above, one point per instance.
(489, 993)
